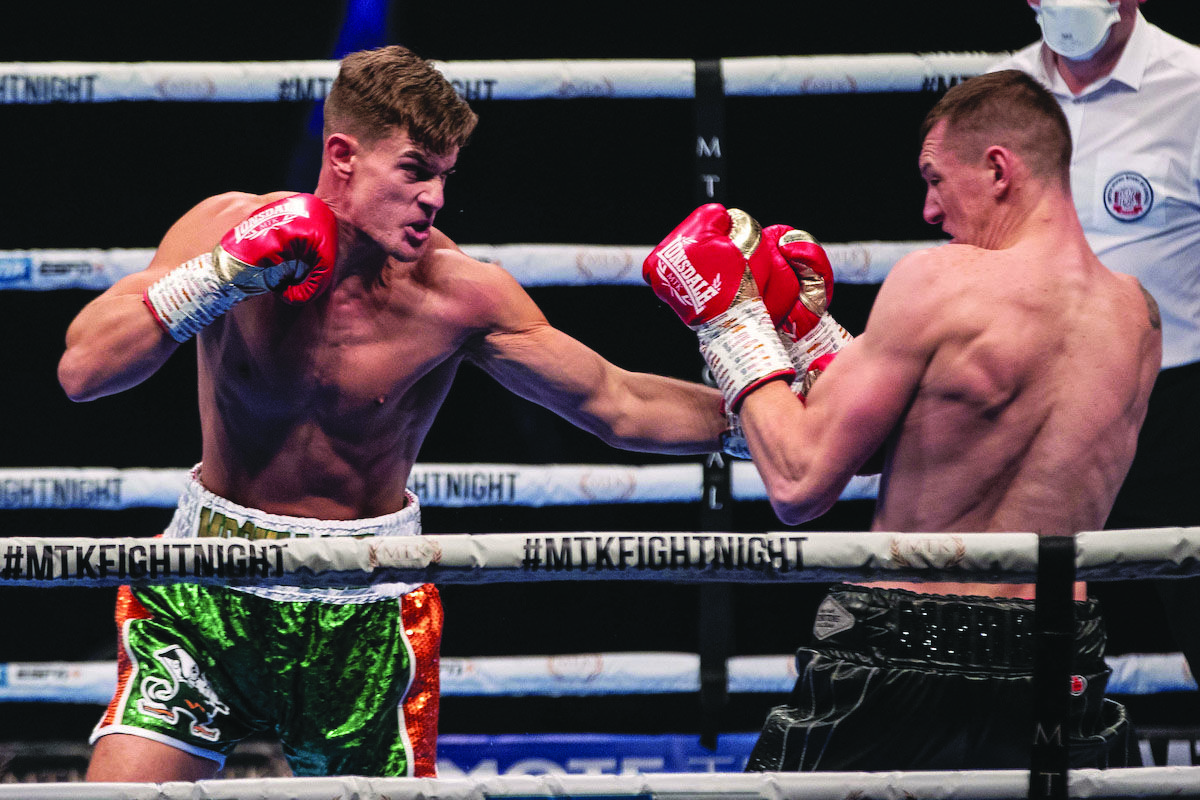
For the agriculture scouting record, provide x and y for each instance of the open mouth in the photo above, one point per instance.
(418, 231)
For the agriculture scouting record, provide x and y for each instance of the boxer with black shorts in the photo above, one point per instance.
(1004, 375)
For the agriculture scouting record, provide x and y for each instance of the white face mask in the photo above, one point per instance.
(1076, 29)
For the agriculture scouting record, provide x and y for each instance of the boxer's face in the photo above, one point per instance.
(398, 189)
(955, 191)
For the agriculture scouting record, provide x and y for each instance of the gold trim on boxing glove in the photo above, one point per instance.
(235, 272)
(746, 234)
(745, 231)
(812, 285)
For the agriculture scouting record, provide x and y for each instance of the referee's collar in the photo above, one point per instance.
(1129, 71)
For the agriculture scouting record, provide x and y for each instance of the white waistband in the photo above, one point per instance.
(202, 513)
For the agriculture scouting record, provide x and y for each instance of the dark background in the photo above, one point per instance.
(584, 170)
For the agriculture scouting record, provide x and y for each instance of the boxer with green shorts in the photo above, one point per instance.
(346, 679)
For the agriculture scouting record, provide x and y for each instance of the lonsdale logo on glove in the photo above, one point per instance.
(270, 218)
(679, 275)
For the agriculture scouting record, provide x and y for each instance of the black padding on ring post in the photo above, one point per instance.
(710, 132)
(1054, 623)
(714, 613)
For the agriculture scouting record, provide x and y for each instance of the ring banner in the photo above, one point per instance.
(254, 556)
(438, 485)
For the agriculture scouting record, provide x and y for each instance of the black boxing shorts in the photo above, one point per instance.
(895, 680)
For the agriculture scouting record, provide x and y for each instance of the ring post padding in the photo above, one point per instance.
(1054, 634)
(716, 514)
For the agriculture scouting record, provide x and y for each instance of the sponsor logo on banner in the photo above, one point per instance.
(940, 83)
(1128, 196)
(44, 674)
(300, 89)
(824, 84)
(177, 88)
(578, 88)
(920, 551)
(15, 269)
(703, 552)
(403, 551)
(475, 89)
(584, 666)
(590, 262)
(57, 268)
(607, 486)
(39, 89)
(476, 756)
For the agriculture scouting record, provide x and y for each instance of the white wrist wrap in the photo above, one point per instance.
(190, 297)
(827, 336)
(742, 349)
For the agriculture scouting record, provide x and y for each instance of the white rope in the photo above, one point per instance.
(438, 485)
(531, 264)
(611, 555)
(36, 83)
(519, 557)
(574, 675)
(947, 785)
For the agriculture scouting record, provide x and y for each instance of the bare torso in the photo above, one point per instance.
(319, 410)
(1018, 426)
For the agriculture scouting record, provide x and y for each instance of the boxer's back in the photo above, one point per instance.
(1027, 416)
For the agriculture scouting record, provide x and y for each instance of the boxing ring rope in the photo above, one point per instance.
(239, 557)
(961, 785)
(37, 83)
(437, 484)
(576, 675)
(531, 264)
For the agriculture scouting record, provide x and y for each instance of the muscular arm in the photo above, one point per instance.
(114, 342)
(806, 453)
(630, 410)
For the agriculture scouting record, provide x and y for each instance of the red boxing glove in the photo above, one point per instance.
(794, 274)
(701, 270)
(698, 268)
(776, 280)
(289, 245)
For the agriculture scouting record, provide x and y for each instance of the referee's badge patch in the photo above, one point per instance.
(831, 619)
(1128, 196)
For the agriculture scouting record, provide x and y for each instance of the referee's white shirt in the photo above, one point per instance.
(1135, 172)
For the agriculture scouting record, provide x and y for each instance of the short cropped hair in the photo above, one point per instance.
(378, 91)
(1010, 109)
